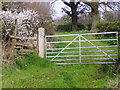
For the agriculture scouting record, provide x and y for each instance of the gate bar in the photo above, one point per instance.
(83, 41)
(82, 47)
(85, 59)
(80, 34)
(84, 63)
(83, 51)
(81, 55)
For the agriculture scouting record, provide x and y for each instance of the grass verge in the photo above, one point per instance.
(31, 71)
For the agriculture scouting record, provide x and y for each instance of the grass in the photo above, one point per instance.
(31, 71)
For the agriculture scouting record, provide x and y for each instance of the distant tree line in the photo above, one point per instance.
(77, 7)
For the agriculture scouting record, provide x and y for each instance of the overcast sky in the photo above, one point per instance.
(57, 7)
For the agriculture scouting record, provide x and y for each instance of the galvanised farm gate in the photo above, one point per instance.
(91, 48)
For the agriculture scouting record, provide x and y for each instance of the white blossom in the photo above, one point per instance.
(26, 21)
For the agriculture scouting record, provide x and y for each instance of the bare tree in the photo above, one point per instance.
(85, 19)
(73, 5)
(12, 6)
(95, 14)
(0, 6)
(112, 16)
(44, 9)
(76, 5)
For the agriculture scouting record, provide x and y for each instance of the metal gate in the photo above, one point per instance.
(91, 48)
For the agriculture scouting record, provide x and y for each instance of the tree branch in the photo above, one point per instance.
(108, 5)
(81, 11)
(103, 8)
(66, 11)
(66, 3)
(88, 3)
(77, 3)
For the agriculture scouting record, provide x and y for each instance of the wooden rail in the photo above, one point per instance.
(25, 38)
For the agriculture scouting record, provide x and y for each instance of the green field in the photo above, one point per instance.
(30, 71)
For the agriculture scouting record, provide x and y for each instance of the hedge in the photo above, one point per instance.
(105, 26)
(68, 27)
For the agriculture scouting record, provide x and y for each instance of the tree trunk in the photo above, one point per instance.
(0, 6)
(95, 20)
(74, 24)
(74, 19)
(95, 16)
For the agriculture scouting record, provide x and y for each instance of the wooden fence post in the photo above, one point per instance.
(41, 42)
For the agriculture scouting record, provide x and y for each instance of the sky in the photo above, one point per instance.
(58, 11)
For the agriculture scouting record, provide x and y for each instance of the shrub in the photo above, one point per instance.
(55, 26)
(105, 26)
(68, 27)
(65, 27)
(81, 27)
(24, 23)
(102, 26)
(88, 27)
(114, 26)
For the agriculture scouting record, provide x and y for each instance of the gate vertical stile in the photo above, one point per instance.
(117, 60)
(80, 47)
(45, 47)
(117, 46)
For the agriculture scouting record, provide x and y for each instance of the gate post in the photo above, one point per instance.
(41, 42)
